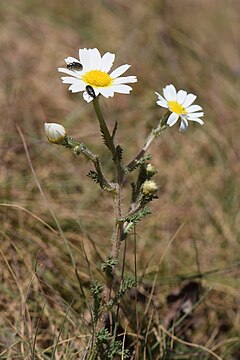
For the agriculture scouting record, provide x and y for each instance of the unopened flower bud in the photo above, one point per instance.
(54, 132)
(150, 170)
(149, 187)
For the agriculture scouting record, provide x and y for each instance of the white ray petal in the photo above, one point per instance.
(107, 92)
(200, 121)
(183, 126)
(170, 93)
(193, 108)
(162, 103)
(196, 115)
(173, 118)
(75, 74)
(95, 59)
(69, 79)
(181, 96)
(119, 71)
(121, 89)
(107, 61)
(190, 98)
(77, 86)
(84, 57)
(70, 60)
(87, 97)
(125, 79)
(160, 97)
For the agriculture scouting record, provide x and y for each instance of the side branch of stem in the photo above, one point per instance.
(79, 148)
(153, 134)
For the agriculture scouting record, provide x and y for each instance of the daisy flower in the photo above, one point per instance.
(95, 73)
(180, 105)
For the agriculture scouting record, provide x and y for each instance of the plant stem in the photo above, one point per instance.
(108, 138)
(104, 127)
(79, 148)
(117, 211)
(153, 134)
(106, 295)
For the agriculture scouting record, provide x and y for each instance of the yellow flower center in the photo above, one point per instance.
(97, 78)
(175, 107)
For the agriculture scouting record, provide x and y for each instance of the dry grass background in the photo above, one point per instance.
(192, 44)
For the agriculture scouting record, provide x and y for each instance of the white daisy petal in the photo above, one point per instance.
(173, 92)
(162, 103)
(173, 118)
(190, 98)
(121, 89)
(69, 72)
(95, 59)
(77, 86)
(69, 80)
(107, 92)
(107, 61)
(193, 108)
(70, 60)
(87, 97)
(196, 115)
(160, 97)
(125, 79)
(119, 71)
(181, 96)
(85, 59)
(183, 126)
(200, 121)
(170, 93)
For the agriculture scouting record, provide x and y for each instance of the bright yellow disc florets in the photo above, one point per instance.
(97, 78)
(175, 107)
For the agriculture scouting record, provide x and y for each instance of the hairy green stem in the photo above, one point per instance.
(118, 231)
(106, 296)
(153, 134)
(104, 127)
(108, 138)
(79, 148)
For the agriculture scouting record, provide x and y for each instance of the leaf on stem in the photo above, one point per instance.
(114, 130)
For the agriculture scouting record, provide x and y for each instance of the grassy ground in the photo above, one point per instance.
(195, 222)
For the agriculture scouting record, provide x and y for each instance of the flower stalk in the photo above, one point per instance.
(108, 139)
(153, 134)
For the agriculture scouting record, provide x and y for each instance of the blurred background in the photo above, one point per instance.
(196, 220)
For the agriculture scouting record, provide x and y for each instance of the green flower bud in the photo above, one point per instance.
(150, 169)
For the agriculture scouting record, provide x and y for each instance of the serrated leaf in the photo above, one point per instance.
(114, 130)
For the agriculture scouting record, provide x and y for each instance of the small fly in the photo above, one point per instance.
(90, 91)
(75, 66)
